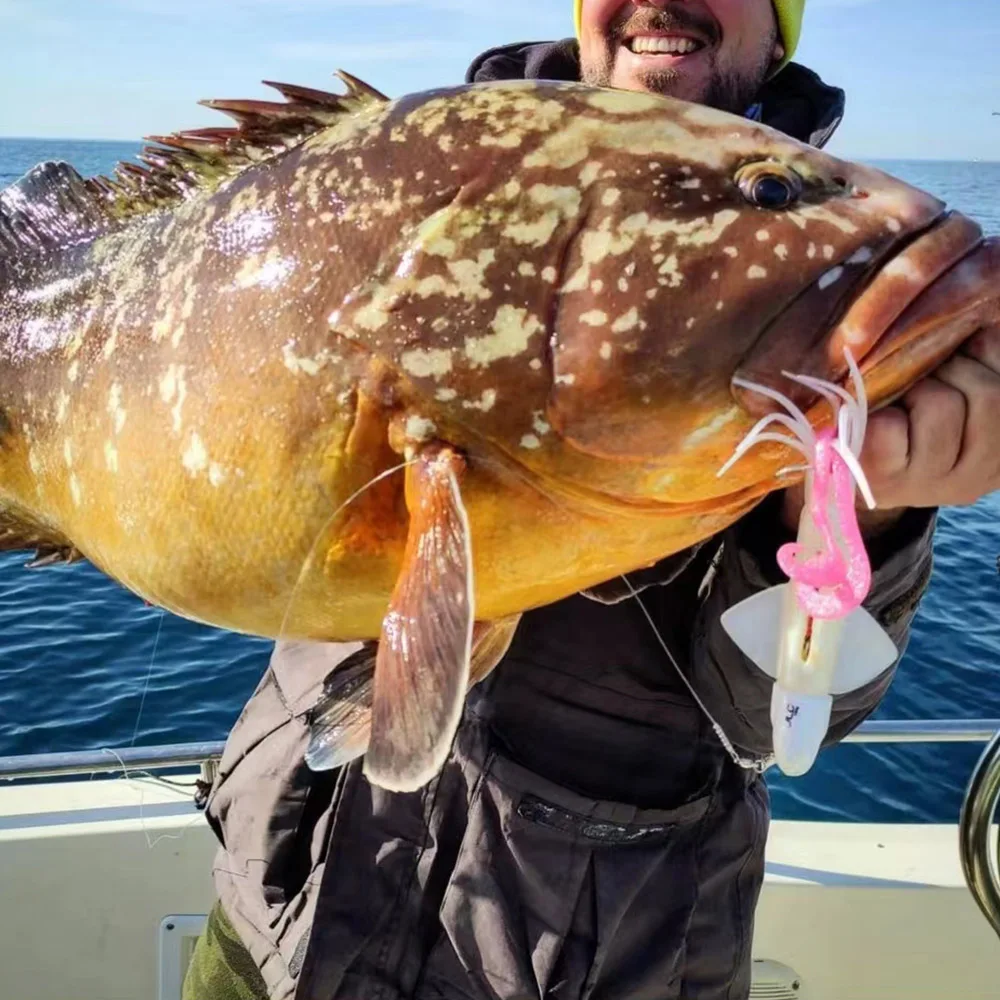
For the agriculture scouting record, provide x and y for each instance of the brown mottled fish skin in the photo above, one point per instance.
(557, 281)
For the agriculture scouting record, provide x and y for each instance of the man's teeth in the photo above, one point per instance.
(669, 46)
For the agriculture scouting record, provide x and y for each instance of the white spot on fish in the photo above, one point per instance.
(549, 274)
(62, 405)
(419, 428)
(535, 364)
(605, 350)
(512, 329)
(862, 256)
(216, 474)
(755, 272)
(669, 270)
(526, 268)
(74, 489)
(781, 251)
(565, 379)
(715, 276)
(431, 362)
(900, 267)
(828, 252)
(111, 456)
(594, 317)
(73, 371)
(445, 395)
(484, 403)
(168, 384)
(811, 251)
(830, 278)
(615, 103)
(691, 185)
(589, 173)
(115, 408)
(68, 452)
(270, 273)
(195, 458)
(610, 197)
(541, 425)
(690, 323)
(530, 441)
(731, 251)
(626, 321)
(710, 429)
(181, 393)
(763, 235)
(893, 225)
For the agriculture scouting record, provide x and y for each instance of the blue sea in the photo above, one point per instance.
(85, 665)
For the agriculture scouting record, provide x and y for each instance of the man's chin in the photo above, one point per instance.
(668, 81)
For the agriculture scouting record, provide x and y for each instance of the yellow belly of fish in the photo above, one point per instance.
(287, 573)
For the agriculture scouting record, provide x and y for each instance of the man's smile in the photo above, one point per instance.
(661, 50)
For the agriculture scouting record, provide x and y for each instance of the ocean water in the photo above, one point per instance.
(84, 664)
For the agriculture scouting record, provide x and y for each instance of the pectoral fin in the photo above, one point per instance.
(341, 723)
(422, 665)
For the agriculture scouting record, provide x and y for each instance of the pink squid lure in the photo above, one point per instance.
(830, 571)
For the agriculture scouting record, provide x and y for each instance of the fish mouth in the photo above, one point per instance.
(870, 317)
(943, 316)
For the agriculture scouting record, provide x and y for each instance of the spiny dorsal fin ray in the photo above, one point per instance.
(52, 206)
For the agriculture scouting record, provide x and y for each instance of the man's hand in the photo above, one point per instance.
(938, 446)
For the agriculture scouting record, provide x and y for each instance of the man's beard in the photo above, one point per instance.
(731, 90)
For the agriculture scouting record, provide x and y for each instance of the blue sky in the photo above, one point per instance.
(922, 77)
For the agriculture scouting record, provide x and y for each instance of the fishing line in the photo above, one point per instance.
(307, 563)
(134, 776)
(748, 764)
(149, 675)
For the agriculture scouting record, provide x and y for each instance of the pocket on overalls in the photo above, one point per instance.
(546, 889)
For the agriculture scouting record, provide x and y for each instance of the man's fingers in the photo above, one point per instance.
(886, 452)
(984, 347)
(978, 466)
(937, 411)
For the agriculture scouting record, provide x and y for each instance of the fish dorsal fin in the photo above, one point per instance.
(53, 206)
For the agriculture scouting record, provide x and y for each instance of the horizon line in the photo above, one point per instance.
(146, 142)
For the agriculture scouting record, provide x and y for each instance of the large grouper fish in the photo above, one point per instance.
(399, 370)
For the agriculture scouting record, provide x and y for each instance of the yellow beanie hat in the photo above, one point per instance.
(789, 23)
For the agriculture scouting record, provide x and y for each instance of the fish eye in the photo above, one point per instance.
(769, 185)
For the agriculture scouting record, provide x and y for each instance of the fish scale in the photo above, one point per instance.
(399, 370)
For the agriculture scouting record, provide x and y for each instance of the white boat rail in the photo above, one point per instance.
(155, 758)
(980, 863)
(181, 755)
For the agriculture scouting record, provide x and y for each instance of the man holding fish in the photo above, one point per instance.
(603, 841)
